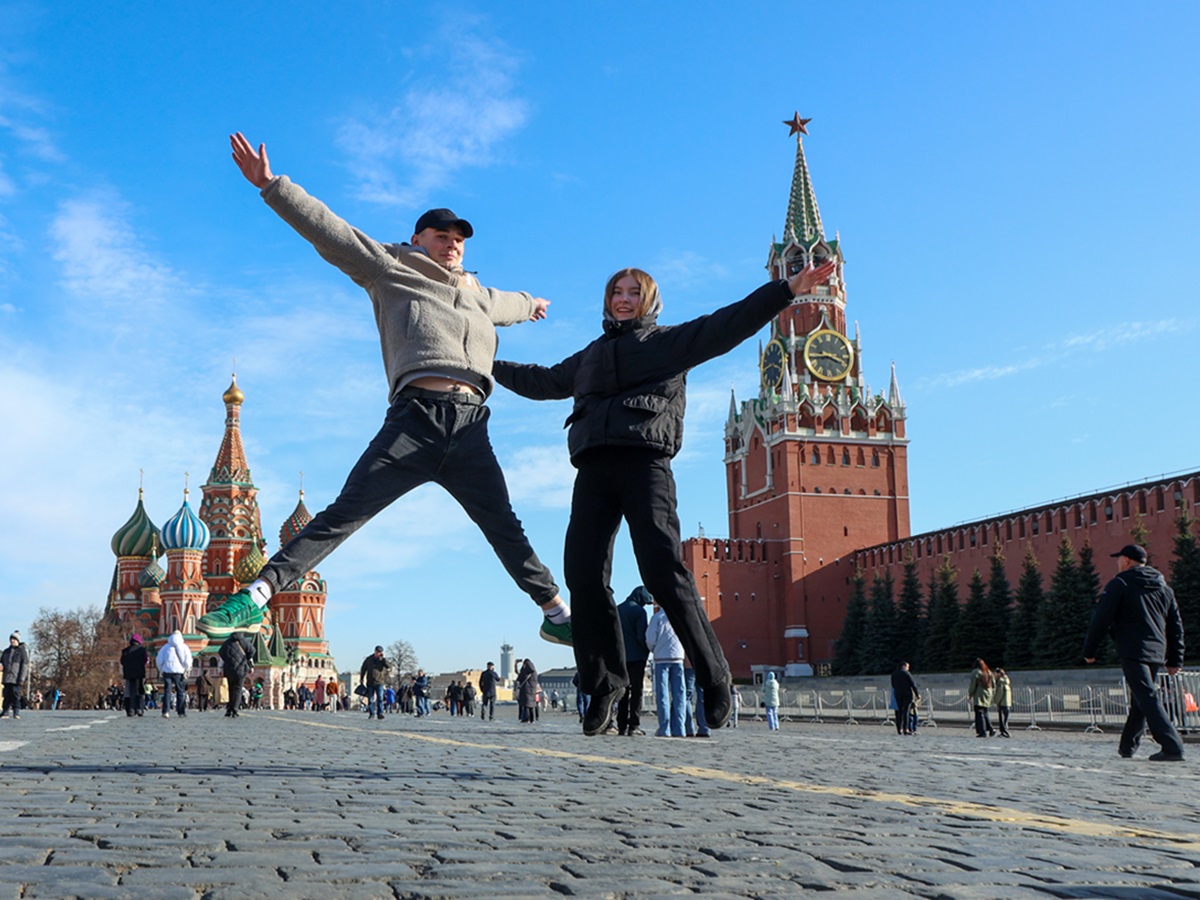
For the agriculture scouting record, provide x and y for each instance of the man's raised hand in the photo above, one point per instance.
(539, 308)
(808, 278)
(254, 165)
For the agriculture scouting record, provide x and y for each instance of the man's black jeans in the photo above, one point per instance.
(1146, 709)
(427, 436)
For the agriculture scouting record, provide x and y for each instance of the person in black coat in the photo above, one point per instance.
(1139, 610)
(905, 692)
(133, 670)
(238, 657)
(488, 679)
(627, 423)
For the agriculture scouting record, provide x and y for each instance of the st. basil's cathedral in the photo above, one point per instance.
(210, 554)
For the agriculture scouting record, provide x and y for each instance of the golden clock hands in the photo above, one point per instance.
(838, 357)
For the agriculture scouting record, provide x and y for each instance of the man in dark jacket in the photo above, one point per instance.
(1138, 609)
(904, 689)
(133, 670)
(373, 673)
(633, 628)
(15, 660)
(238, 657)
(488, 679)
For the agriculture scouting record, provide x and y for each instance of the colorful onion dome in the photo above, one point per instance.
(138, 536)
(246, 569)
(234, 395)
(185, 530)
(295, 522)
(152, 576)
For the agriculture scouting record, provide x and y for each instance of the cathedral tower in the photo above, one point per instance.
(230, 510)
(816, 467)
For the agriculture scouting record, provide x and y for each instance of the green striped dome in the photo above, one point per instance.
(139, 536)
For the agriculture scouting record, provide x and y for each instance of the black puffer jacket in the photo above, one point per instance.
(1139, 610)
(629, 384)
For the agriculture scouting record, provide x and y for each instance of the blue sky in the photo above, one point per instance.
(1014, 186)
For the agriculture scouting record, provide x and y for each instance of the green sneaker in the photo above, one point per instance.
(557, 634)
(239, 612)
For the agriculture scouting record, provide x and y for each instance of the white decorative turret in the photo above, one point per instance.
(894, 399)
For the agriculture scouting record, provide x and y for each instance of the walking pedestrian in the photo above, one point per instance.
(668, 674)
(771, 701)
(527, 692)
(905, 695)
(15, 661)
(133, 670)
(1003, 700)
(980, 691)
(634, 622)
(1139, 610)
(174, 662)
(374, 673)
(489, 678)
(238, 657)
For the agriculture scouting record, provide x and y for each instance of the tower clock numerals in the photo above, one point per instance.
(773, 360)
(828, 355)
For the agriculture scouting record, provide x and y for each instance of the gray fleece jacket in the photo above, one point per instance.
(430, 319)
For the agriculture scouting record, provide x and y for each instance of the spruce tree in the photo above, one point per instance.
(1022, 637)
(1185, 575)
(909, 621)
(1139, 534)
(1089, 593)
(999, 600)
(848, 652)
(943, 615)
(971, 631)
(1054, 647)
(879, 644)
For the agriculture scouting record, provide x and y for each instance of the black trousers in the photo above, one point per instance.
(1146, 709)
(636, 485)
(629, 710)
(235, 683)
(1002, 715)
(12, 698)
(426, 437)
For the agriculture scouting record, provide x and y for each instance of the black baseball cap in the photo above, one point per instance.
(441, 220)
(1134, 552)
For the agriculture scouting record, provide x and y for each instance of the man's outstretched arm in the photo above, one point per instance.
(254, 165)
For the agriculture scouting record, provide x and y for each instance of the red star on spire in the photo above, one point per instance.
(797, 124)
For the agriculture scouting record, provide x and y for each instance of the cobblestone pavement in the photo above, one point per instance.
(298, 805)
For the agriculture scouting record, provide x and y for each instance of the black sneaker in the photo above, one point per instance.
(600, 712)
(718, 703)
(1166, 757)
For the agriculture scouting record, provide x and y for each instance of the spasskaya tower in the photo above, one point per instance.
(816, 467)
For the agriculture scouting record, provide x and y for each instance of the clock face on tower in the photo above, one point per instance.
(828, 355)
(773, 361)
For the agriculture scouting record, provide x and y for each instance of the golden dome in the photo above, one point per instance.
(234, 394)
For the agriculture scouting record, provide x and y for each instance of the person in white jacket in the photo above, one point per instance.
(668, 674)
(174, 663)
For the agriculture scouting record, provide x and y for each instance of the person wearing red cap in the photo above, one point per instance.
(437, 331)
(1138, 609)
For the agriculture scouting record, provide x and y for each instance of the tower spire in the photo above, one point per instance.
(894, 400)
(803, 225)
(231, 466)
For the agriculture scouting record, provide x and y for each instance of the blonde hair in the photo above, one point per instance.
(645, 282)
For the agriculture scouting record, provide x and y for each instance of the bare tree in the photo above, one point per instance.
(76, 651)
(402, 658)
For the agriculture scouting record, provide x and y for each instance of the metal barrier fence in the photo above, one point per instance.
(1091, 707)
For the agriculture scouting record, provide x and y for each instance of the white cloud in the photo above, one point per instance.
(686, 269)
(400, 155)
(540, 477)
(102, 259)
(1098, 341)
